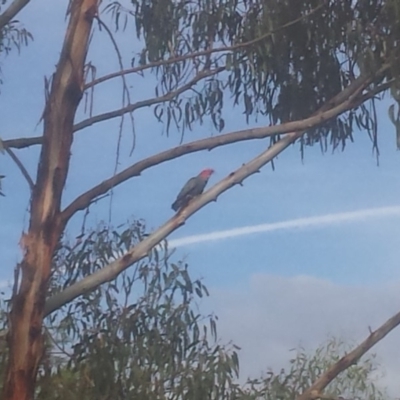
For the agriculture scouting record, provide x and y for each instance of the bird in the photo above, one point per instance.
(192, 188)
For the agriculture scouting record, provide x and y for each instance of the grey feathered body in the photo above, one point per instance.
(192, 188)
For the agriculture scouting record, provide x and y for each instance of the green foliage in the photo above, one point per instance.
(281, 59)
(142, 337)
(357, 382)
(138, 337)
(14, 36)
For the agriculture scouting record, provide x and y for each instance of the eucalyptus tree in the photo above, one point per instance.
(313, 71)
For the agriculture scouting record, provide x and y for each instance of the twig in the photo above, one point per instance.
(146, 103)
(21, 167)
(125, 85)
(125, 96)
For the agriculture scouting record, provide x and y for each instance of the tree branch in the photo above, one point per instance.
(256, 133)
(13, 9)
(22, 143)
(21, 167)
(315, 390)
(146, 103)
(207, 52)
(141, 250)
(338, 105)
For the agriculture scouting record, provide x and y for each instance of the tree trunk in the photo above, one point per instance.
(25, 339)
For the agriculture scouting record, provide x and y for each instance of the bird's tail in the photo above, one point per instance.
(176, 205)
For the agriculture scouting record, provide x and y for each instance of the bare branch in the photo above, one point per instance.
(198, 145)
(21, 167)
(140, 251)
(255, 133)
(84, 200)
(315, 390)
(13, 9)
(146, 103)
(207, 52)
(22, 143)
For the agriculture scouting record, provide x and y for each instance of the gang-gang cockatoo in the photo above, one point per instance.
(192, 188)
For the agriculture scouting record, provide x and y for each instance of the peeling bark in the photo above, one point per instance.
(25, 338)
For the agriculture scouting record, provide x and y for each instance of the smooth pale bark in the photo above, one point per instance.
(342, 102)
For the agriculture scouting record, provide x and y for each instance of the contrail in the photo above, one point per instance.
(300, 223)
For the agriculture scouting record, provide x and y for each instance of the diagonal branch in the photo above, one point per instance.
(201, 53)
(339, 106)
(149, 102)
(142, 249)
(13, 9)
(256, 133)
(21, 167)
(315, 390)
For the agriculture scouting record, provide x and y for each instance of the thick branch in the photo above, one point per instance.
(140, 251)
(86, 198)
(345, 362)
(146, 103)
(13, 9)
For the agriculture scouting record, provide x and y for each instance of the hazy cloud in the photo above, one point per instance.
(271, 315)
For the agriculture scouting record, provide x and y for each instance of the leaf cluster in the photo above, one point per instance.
(138, 337)
(357, 382)
(13, 36)
(282, 59)
(143, 336)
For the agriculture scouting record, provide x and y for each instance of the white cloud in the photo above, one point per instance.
(271, 315)
(300, 223)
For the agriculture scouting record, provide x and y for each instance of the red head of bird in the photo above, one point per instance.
(206, 173)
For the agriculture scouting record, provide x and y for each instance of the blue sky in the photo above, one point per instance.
(354, 261)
